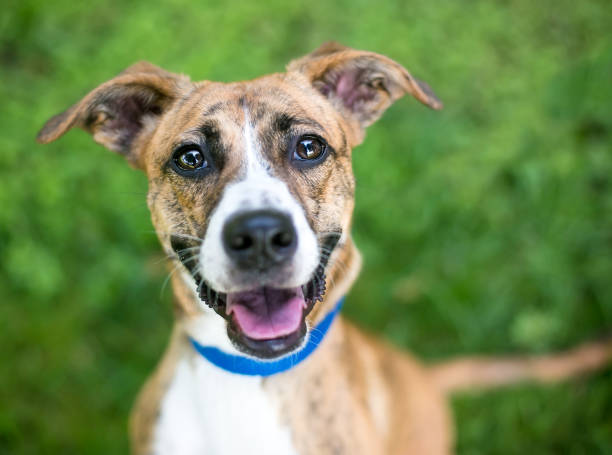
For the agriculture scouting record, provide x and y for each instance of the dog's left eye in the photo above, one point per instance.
(189, 158)
(309, 148)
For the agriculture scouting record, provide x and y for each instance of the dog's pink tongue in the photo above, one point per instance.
(265, 313)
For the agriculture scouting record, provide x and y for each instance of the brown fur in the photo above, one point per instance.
(355, 395)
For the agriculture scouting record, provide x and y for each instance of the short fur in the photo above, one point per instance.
(355, 395)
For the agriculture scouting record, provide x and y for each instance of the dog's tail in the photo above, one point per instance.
(486, 372)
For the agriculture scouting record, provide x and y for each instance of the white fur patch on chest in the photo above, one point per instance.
(208, 411)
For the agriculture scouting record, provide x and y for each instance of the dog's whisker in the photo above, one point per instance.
(174, 269)
(179, 234)
(192, 258)
(165, 258)
(191, 248)
(187, 236)
(185, 261)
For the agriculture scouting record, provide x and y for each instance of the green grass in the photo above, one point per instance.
(486, 227)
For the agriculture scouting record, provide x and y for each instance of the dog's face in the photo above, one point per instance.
(250, 183)
(261, 177)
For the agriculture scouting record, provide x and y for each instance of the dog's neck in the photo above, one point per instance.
(207, 327)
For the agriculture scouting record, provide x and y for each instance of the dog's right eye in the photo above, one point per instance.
(189, 159)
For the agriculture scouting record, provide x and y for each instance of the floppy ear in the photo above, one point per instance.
(360, 84)
(123, 112)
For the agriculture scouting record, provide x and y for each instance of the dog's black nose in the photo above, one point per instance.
(260, 239)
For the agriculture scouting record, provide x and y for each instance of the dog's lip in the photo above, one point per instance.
(266, 348)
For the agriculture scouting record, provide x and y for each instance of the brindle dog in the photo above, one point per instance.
(251, 192)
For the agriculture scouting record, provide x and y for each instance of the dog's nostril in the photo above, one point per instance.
(282, 239)
(241, 242)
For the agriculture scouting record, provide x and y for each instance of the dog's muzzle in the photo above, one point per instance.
(263, 320)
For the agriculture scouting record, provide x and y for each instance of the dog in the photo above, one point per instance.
(251, 194)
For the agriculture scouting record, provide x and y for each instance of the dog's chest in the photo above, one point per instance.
(207, 411)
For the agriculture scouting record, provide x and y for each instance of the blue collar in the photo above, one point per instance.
(249, 366)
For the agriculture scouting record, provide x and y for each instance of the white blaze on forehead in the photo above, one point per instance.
(256, 189)
(254, 162)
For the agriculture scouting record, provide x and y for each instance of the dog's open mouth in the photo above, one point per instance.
(265, 322)
(266, 313)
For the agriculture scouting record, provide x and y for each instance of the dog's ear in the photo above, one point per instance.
(360, 84)
(123, 112)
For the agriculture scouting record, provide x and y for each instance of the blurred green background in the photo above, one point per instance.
(486, 227)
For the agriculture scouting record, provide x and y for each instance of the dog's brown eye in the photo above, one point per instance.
(190, 159)
(309, 148)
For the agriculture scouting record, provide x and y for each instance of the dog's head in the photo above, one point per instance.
(250, 183)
